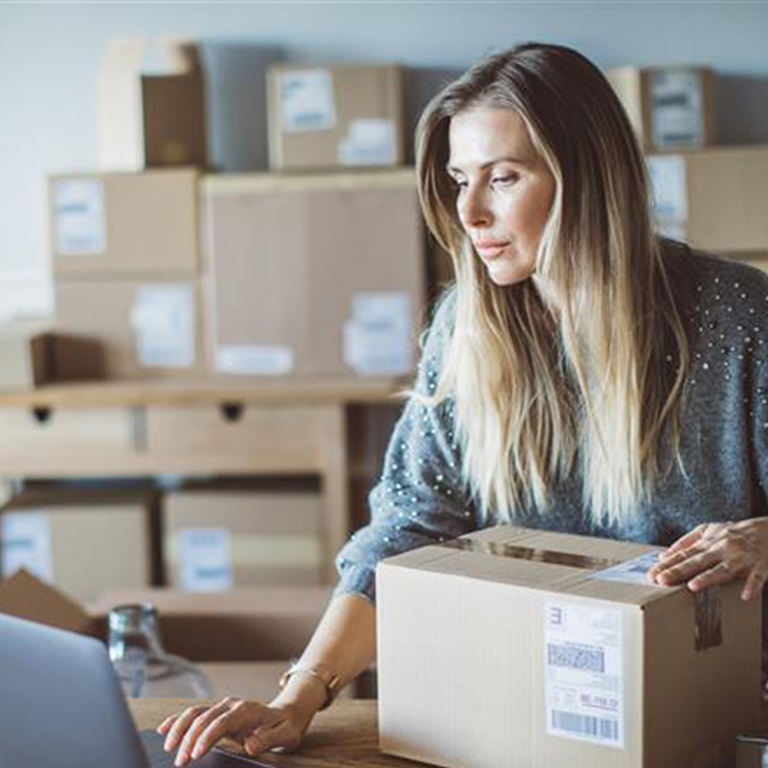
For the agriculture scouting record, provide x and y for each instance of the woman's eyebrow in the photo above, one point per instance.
(452, 169)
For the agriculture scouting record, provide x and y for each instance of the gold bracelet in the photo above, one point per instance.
(327, 679)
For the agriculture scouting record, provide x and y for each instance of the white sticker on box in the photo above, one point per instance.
(163, 320)
(670, 193)
(583, 672)
(369, 141)
(206, 559)
(633, 571)
(255, 359)
(677, 108)
(306, 100)
(80, 226)
(377, 338)
(26, 543)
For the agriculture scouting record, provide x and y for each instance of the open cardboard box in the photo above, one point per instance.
(248, 624)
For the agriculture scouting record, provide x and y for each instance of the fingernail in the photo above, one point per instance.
(196, 752)
(181, 759)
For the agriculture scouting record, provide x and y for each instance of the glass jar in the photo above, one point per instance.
(145, 670)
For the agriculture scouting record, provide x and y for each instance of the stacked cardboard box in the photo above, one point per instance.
(670, 108)
(83, 542)
(516, 648)
(327, 117)
(126, 268)
(314, 275)
(218, 538)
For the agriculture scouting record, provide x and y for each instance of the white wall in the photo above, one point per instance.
(50, 53)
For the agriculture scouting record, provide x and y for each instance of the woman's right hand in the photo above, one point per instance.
(257, 727)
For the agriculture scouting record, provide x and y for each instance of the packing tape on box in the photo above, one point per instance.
(708, 624)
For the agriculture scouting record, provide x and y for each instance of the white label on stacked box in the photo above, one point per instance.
(256, 359)
(670, 194)
(205, 559)
(633, 571)
(163, 319)
(306, 100)
(583, 672)
(26, 543)
(377, 338)
(370, 141)
(677, 109)
(80, 225)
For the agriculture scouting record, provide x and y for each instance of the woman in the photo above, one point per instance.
(582, 376)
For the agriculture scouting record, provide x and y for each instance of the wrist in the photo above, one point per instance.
(309, 682)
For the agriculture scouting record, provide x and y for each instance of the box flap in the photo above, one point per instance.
(27, 597)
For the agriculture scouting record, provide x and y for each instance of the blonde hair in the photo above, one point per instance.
(528, 408)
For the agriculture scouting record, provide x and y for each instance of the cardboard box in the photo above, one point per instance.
(517, 648)
(214, 539)
(149, 328)
(322, 117)
(264, 624)
(314, 275)
(716, 199)
(670, 108)
(31, 356)
(84, 543)
(124, 224)
(151, 105)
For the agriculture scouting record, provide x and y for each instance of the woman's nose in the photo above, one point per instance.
(473, 209)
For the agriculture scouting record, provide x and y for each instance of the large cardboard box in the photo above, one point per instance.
(124, 224)
(151, 105)
(670, 108)
(716, 199)
(314, 275)
(216, 539)
(512, 648)
(149, 328)
(31, 356)
(84, 543)
(322, 117)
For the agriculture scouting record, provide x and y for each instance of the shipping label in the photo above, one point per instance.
(163, 320)
(205, 559)
(633, 571)
(370, 141)
(306, 101)
(26, 543)
(377, 337)
(79, 215)
(583, 673)
(255, 359)
(678, 109)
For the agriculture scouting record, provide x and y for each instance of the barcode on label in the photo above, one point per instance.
(576, 657)
(597, 727)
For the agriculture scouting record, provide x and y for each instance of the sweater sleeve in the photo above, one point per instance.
(420, 498)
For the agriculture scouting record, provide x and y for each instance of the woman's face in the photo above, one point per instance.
(504, 190)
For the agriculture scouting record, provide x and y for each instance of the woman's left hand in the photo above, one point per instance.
(716, 553)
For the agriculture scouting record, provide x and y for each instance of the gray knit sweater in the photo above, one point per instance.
(421, 498)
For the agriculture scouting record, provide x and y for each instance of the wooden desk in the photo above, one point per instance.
(139, 429)
(343, 735)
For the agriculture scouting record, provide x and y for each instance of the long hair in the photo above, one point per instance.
(596, 382)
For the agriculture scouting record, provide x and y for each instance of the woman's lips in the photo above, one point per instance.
(490, 249)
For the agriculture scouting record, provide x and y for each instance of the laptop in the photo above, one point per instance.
(61, 705)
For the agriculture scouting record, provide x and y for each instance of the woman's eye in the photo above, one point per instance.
(504, 180)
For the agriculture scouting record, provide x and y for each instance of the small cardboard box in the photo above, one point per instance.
(314, 275)
(512, 648)
(215, 539)
(151, 105)
(31, 356)
(716, 199)
(670, 108)
(264, 624)
(149, 328)
(82, 543)
(322, 117)
(124, 224)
